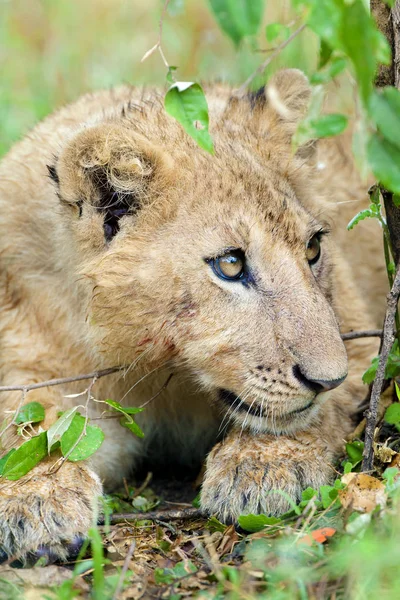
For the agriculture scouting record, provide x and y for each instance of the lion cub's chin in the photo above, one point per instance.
(281, 423)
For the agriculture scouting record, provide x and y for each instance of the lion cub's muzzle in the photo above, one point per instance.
(278, 405)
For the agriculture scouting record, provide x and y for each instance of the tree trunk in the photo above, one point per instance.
(388, 22)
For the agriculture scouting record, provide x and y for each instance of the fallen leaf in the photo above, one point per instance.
(363, 492)
(229, 539)
(318, 535)
(383, 453)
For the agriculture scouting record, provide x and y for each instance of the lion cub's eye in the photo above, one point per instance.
(313, 251)
(229, 266)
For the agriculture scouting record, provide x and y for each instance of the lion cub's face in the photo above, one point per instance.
(213, 263)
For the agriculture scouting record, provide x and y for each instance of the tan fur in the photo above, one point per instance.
(72, 302)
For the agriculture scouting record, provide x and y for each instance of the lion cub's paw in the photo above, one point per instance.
(261, 475)
(43, 514)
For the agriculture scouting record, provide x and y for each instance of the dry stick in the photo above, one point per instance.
(387, 342)
(266, 62)
(60, 380)
(352, 335)
(356, 335)
(127, 560)
(156, 515)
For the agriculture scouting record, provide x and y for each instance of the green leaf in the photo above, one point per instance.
(392, 365)
(132, 426)
(214, 525)
(276, 30)
(254, 523)
(384, 159)
(355, 451)
(33, 412)
(169, 575)
(396, 200)
(328, 495)
(363, 214)
(390, 475)
(328, 125)
(196, 501)
(392, 414)
(5, 459)
(348, 467)
(129, 410)
(334, 68)
(325, 53)
(58, 428)
(385, 111)
(325, 20)
(308, 494)
(129, 423)
(187, 104)
(170, 74)
(374, 194)
(362, 43)
(370, 373)
(238, 18)
(89, 443)
(25, 457)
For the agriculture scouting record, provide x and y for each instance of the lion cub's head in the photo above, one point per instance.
(219, 264)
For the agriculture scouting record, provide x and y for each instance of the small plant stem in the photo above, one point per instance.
(260, 70)
(125, 567)
(61, 380)
(387, 342)
(388, 260)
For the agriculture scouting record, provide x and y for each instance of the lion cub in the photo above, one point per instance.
(233, 272)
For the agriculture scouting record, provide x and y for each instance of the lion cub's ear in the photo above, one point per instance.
(111, 168)
(288, 95)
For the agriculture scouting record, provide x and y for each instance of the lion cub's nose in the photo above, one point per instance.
(317, 385)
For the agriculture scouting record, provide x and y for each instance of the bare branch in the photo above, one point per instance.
(387, 342)
(60, 381)
(356, 335)
(156, 515)
(268, 61)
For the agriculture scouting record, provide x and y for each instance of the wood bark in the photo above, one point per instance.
(388, 22)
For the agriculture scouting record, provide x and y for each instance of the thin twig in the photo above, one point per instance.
(154, 515)
(387, 342)
(268, 61)
(159, 391)
(124, 570)
(60, 380)
(157, 46)
(355, 335)
(142, 487)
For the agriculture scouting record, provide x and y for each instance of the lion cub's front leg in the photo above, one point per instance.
(247, 473)
(46, 513)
